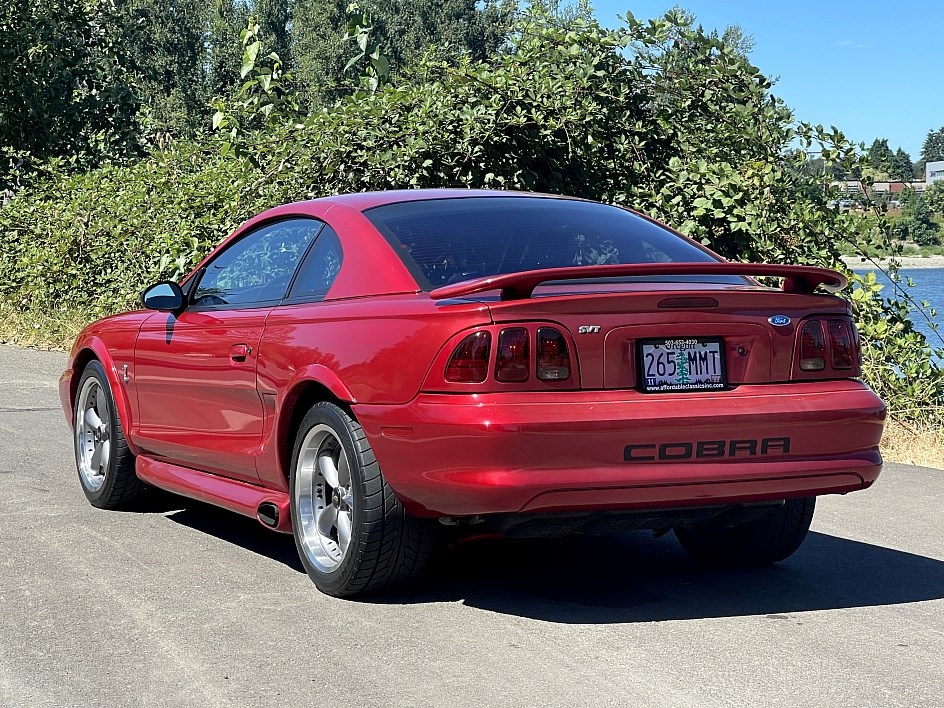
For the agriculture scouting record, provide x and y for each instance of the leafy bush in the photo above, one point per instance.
(915, 223)
(656, 115)
(92, 241)
(934, 197)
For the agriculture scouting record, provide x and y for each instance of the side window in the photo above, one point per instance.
(319, 269)
(258, 267)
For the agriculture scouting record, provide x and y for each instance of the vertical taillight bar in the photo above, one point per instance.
(513, 359)
(812, 346)
(469, 360)
(841, 344)
(553, 359)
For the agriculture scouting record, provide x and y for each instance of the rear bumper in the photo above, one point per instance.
(458, 455)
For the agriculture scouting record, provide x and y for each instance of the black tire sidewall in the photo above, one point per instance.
(335, 581)
(754, 543)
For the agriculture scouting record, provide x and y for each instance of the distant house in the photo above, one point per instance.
(933, 171)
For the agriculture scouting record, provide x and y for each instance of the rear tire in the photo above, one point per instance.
(103, 460)
(759, 542)
(352, 533)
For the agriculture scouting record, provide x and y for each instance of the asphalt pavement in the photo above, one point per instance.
(182, 604)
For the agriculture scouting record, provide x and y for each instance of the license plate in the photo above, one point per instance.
(684, 364)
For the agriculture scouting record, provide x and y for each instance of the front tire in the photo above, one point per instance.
(753, 543)
(102, 458)
(352, 533)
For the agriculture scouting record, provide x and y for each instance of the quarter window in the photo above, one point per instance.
(256, 269)
(319, 269)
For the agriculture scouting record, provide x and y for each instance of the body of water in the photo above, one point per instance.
(929, 285)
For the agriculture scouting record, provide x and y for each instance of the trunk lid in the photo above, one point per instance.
(607, 322)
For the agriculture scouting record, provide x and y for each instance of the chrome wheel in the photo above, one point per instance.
(323, 499)
(93, 434)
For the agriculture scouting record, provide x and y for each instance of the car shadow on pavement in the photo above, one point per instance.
(634, 577)
(239, 530)
(629, 577)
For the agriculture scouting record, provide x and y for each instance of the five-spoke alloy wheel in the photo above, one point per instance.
(102, 458)
(352, 533)
(92, 434)
(324, 499)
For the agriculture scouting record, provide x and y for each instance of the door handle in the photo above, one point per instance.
(239, 352)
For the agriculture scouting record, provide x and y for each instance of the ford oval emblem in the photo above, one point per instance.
(779, 320)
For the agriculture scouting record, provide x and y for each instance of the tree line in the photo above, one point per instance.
(91, 80)
(897, 165)
(916, 221)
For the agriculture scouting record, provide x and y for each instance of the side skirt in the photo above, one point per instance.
(270, 507)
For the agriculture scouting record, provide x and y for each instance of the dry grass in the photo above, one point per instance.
(40, 329)
(913, 444)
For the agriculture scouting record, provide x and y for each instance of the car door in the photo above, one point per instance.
(195, 372)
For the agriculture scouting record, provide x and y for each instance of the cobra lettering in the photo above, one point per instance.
(706, 449)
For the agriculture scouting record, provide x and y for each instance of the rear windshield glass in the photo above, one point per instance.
(446, 241)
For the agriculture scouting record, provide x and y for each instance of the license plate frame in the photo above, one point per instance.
(714, 380)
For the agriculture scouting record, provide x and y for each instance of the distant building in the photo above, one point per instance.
(852, 191)
(849, 188)
(896, 187)
(933, 171)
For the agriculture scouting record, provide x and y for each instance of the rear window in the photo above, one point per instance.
(445, 241)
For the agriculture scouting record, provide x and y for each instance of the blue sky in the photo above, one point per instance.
(872, 69)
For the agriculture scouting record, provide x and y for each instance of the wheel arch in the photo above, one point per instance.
(82, 359)
(318, 384)
(95, 350)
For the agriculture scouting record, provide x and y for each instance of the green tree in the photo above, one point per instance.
(880, 156)
(932, 149)
(166, 41)
(64, 85)
(273, 17)
(934, 197)
(901, 166)
(564, 10)
(227, 19)
(317, 48)
(916, 223)
(404, 29)
(740, 41)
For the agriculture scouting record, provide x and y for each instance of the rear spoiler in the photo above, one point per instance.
(520, 286)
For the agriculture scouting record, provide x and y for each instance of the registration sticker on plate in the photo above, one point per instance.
(685, 364)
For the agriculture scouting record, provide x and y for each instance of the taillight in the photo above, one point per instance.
(812, 347)
(469, 360)
(512, 361)
(841, 348)
(494, 358)
(553, 357)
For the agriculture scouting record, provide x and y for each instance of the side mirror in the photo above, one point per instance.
(164, 297)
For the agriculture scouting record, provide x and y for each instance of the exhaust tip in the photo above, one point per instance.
(268, 514)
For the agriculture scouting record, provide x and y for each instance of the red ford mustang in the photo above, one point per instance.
(361, 370)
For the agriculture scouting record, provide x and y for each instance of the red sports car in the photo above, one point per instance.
(361, 370)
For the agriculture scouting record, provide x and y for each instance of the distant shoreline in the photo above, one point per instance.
(857, 263)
